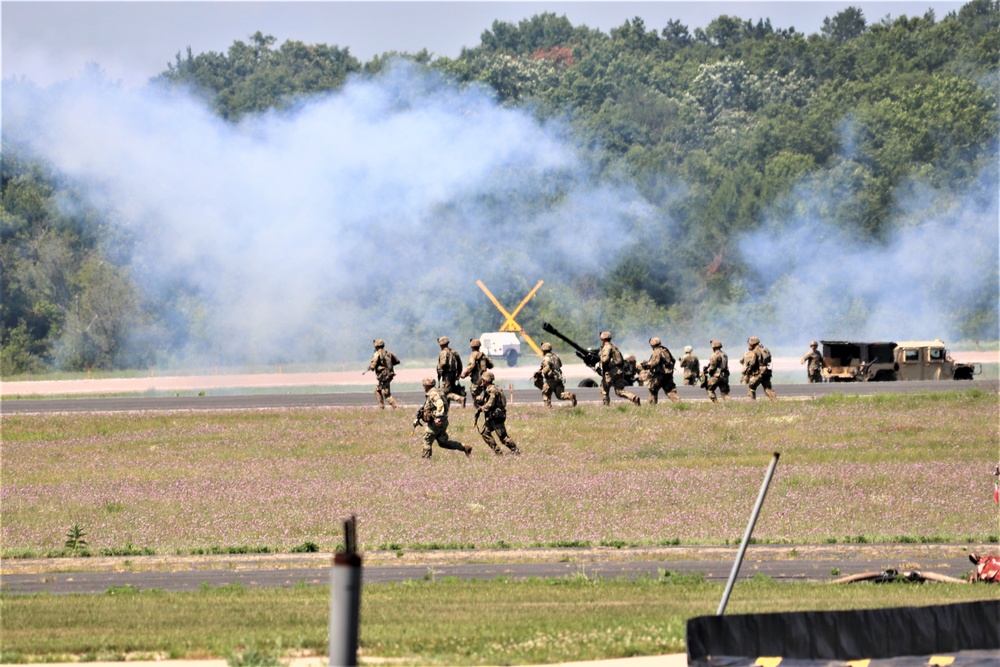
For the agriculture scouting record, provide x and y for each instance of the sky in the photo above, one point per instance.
(48, 42)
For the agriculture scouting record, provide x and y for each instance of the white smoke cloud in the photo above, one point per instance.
(326, 225)
(939, 262)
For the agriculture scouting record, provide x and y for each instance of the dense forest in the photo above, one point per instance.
(753, 179)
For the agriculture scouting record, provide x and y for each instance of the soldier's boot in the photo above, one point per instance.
(674, 397)
(392, 402)
(463, 400)
(725, 397)
(426, 454)
(512, 446)
(547, 401)
(468, 449)
(712, 396)
(381, 401)
(635, 400)
(572, 399)
(752, 394)
(652, 398)
(770, 394)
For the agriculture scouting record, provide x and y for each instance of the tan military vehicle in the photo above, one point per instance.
(849, 361)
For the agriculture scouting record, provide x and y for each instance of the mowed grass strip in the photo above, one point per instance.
(447, 622)
(878, 468)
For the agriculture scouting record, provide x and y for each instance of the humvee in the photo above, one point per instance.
(501, 345)
(891, 361)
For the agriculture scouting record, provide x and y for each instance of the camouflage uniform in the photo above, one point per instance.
(612, 372)
(551, 378)
(716, 374)
(631, 373)
(382, 364)
(756, 369)
(660, 367)
(449, 367)
(493, 405)
(435, 418)
(692, 367)
(479, 363)
(816, 363)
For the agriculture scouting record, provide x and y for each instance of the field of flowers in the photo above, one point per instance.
(914, 467)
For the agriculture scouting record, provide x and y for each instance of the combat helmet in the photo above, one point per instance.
(716, 344)
(475, 343)
(428, 382)
(378, 342)
(443, 340)
(688, 349)
(605, 335)
(487, 376)
(546, 347)
(753, 340)
(814, 343)
(654, 341)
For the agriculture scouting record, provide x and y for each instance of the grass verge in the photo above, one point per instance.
(445, 622)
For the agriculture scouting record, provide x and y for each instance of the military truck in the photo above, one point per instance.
(501, 345)
(849, 361)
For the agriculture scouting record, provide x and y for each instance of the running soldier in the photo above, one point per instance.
(816, 363)
(692, 367)
(434, 416)
(631, 373)
(612, 371)
(716, 375)
(382, 364)
(549, 378)
(449, 367)
(757, 369)
(479, 363)
(660, 369)
(493, 405)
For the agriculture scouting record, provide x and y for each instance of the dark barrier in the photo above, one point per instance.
(845, 635)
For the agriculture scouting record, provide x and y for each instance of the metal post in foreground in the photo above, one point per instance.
(345, 600)
(746, 536)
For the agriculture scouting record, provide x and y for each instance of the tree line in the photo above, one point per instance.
(739, 112)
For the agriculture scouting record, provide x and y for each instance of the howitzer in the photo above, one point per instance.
(591, 357)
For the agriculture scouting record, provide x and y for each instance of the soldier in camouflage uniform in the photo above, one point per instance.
(612, 371)
(757, 369)
(692, 367)
(660, 369)
(479, 363)
(631, 373)
(816, 363)
(434, 416)
(449, 367)
(493, 405)
(551, 378)
(382, 364)
(716, 375)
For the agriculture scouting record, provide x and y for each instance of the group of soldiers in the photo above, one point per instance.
(616, 372)
(487, 397)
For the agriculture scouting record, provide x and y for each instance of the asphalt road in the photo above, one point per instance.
(801, 568)
(415, 398)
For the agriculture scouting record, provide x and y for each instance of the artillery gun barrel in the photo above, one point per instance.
(589, 357)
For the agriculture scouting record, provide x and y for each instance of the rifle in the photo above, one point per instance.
(591, 357)
(704, 377)
(417, 420)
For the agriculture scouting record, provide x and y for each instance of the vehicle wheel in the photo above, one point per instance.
(587, 382)
(884, 376)
(511, 357)
(963, 374)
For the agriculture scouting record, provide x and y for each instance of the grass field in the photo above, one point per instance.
(447, 622)
(852, 469)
